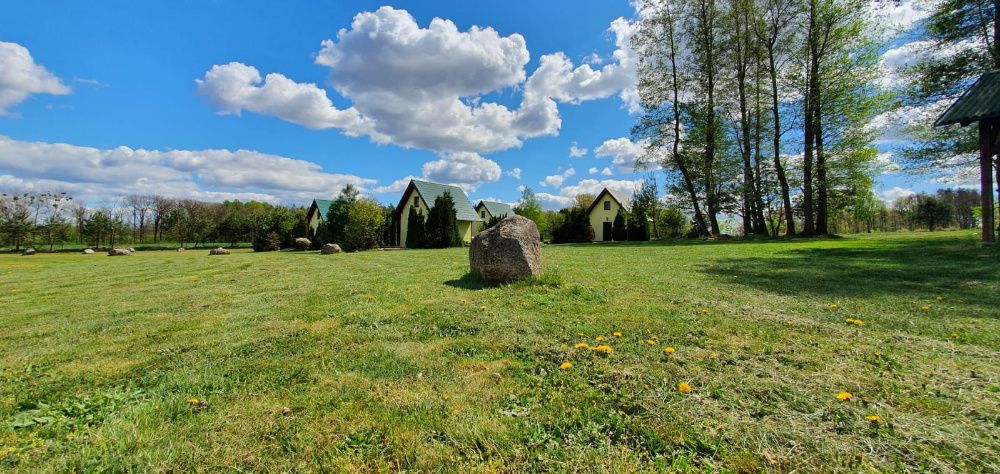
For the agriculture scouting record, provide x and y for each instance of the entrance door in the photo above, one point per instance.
(606, 232)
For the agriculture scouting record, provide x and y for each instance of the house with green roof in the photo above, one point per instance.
(490, 209)
(421, 195)
(317, 212)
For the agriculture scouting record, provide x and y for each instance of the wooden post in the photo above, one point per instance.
(987, 134)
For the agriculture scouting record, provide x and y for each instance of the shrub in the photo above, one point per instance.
(302, 243)
(442, 225)
(618, 231)
(638, 226)
(364, 225)
(491, 222)
(672, 222)
(267, 243)
(415, 229)
(574, 226)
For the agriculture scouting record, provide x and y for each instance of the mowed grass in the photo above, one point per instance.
(395, 360)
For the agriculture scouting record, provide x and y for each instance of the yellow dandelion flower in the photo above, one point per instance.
(193, 401)
(669, 350)
(684, 387)
(603, 349)
(566, 365)
(483, 307)
(844, 396)
(650, 342)
(599, 338)
(581, 345)
(925, 308)
(954, 334)
(858, 322)
(654, 338)
(873, 418)
(849, 320)
(833, 306)
(617, 334)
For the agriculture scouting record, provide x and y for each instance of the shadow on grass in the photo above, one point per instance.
(471, 281)
(905, 267)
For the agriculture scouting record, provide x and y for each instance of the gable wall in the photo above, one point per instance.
(598, 216)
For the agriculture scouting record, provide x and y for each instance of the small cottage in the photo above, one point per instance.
(602, 213)
(317, 212)
(489, 209)
(421, 194)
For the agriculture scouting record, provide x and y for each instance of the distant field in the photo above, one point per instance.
(392, 360)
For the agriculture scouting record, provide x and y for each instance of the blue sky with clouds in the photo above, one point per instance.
(290, 101)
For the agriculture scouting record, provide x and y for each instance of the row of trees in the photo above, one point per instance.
(760, 108)
(56, 219)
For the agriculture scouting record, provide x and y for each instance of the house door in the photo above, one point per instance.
(606, 232)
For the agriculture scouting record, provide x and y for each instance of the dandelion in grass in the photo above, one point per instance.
(873, 418)
(603, 349)
(566, 365)
(650, 342)
(581, 345)
(599, 338)
(858, 322)
(844, 396)
(833, 306)
(954, 335)
(483, 307)
(193, 401)
(684, 387)
(849, 320)
(925, 308)
(617, 334)
(669, 350)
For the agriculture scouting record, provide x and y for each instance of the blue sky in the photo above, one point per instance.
(162, 97)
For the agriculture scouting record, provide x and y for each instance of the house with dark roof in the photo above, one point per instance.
(490, 209)
(602, 213)
(317, 212)
(421, 195)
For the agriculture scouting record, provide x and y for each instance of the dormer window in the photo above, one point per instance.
(607, 205)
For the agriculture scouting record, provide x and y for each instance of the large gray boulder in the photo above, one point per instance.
(28, 252)
(88, 251)
(218, 251)
(507, 251)
(330, 248)
(118, 252)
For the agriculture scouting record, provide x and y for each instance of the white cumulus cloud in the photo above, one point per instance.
(576, 152)
(422, 87)
(624, 153)
(212, 174)
(20, 78)
(556, 180)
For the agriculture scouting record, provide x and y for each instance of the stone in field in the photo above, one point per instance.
(118, 252)
(330, 248)
(28, 252)
(508, 251)
(181, 249)
(218, 251)
(88, 251)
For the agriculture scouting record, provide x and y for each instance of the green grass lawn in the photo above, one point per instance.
(384, 361)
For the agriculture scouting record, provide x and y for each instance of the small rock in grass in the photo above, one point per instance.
(181, 249)
(218, 251)
(118, 252)
(130, 249)
(88, 251)
(28, 252)
(330, 248)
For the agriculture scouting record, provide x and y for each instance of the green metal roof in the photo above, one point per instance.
(497, 209)
(323, 206)
(430, 191)
(980, 102)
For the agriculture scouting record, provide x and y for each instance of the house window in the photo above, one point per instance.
(482, 214)
(416, 201)
(607, 205)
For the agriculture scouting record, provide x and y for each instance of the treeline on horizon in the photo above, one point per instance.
(51, 220)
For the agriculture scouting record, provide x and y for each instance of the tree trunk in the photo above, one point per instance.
(711, 194)
(779, 170)
(987, 145)
(822, 197)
